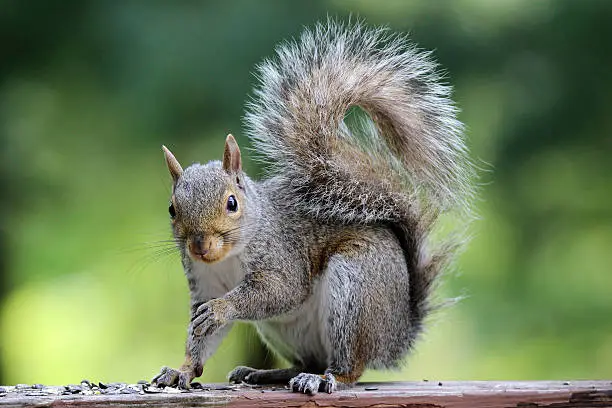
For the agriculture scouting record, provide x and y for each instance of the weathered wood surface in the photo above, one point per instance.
(425, 394)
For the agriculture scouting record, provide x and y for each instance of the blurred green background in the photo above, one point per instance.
(89, 90)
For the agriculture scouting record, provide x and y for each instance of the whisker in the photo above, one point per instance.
(156, 255)
(152, 244)
(236, 230)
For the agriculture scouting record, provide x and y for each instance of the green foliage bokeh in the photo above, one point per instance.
(89, 90)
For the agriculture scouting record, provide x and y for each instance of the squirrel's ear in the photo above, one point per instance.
(173, 165)
(231, 157)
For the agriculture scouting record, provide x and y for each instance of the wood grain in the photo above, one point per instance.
(425, 394)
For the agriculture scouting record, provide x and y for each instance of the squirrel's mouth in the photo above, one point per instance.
(208, 249)
(205, 258)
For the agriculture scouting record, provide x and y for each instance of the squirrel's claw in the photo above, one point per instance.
(167, 377)
(207, 318)
(184, 380)
(306, 383)
(204, 323)
(329, 384)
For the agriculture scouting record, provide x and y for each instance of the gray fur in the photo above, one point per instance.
(331, 259)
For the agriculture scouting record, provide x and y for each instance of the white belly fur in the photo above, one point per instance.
(217, 279)
(300, 336)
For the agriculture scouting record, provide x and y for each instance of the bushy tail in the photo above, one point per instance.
(405, 168)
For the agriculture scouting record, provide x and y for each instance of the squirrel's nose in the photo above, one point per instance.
(199, 245)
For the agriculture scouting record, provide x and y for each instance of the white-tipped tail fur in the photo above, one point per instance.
(415, 150)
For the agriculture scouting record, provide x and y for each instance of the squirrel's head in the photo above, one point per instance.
(208, 205)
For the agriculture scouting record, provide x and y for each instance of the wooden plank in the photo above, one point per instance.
(425, 394)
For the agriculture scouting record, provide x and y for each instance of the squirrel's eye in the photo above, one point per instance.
(172, 211)
(232, 204)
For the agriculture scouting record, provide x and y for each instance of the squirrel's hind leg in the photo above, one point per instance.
(254, 376)
(363, 327)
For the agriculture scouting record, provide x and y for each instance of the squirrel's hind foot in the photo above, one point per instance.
(254, 376)
(313, 383)
(240, 374)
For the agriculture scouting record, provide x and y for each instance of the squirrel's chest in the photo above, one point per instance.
(212, 281)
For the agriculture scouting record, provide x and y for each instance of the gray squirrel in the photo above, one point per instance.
(330, 255)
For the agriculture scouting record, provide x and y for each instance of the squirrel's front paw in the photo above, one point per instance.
(169, 377)
(210, 316)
